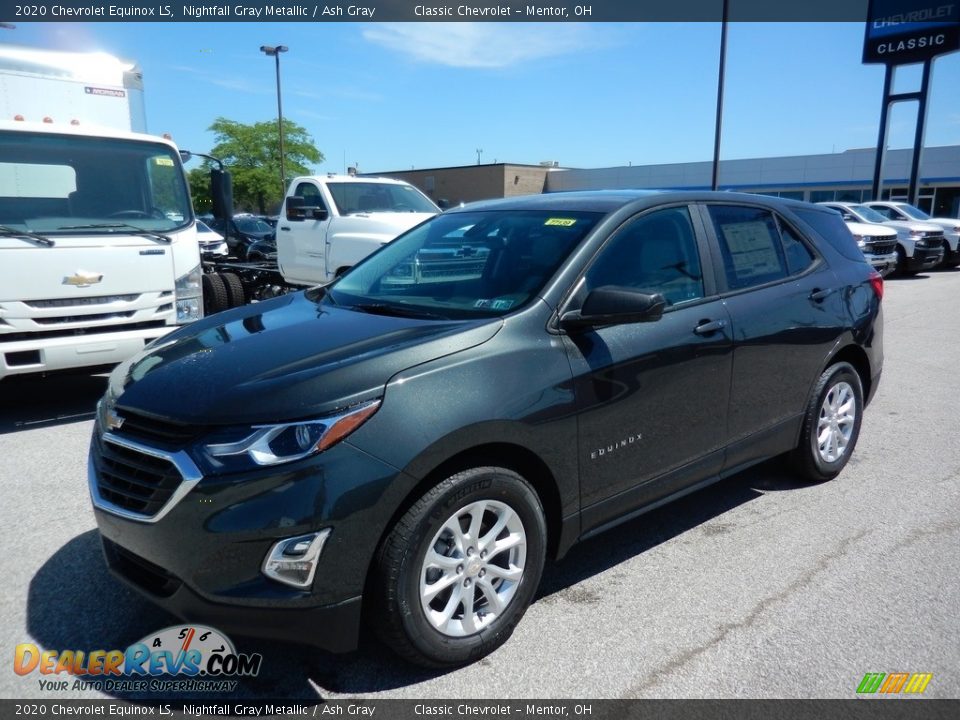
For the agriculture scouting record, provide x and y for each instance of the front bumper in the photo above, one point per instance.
(923, 259)
(201, 559)
(883, 264)
(51, 354)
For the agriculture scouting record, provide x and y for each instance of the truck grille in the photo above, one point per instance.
(881, 248)
(82, 318)
(132, 480)
(79, 302)
(157, 432)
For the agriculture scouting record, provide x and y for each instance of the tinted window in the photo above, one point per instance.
(798, 255)
(749, 244)
(830, 227)
(358, 197)
(311, 195)
(655, 253)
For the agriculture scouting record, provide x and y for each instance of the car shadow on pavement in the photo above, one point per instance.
(28, 402)
(74, 602)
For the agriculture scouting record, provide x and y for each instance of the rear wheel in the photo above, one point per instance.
(459, 569)
(831, 424)
(214, 294)
(234, 287)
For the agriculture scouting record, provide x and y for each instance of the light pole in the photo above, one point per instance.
(275, 51)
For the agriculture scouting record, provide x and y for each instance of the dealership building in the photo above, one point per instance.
(844, 176)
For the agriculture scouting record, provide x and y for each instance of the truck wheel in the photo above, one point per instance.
(214, 294)
(459, 569)
(235, 294)
(831, 424)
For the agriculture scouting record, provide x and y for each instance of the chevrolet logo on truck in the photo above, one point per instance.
(82, 279)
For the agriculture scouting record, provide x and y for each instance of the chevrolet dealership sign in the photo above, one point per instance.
(910, 31)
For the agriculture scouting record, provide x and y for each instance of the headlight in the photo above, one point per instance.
(189, 299)
(916, 233)
(861, 241)
(261, 445)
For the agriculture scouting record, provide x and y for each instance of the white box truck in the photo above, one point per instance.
(98, 246)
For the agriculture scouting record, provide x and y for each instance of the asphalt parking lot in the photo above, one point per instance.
(757, 587)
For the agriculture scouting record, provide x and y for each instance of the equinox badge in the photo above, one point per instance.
(82, 279)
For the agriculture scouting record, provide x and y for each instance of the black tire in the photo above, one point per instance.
(901, 269)
(235, 294)
(214, 294)
(807, 460)
(400, 618)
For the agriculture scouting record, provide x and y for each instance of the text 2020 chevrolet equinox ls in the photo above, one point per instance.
(408, 444)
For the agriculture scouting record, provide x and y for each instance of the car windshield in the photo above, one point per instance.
(914, 212)
(359, 197)
(252, 225)
(56, 184)
(465, 264)
(868, 214)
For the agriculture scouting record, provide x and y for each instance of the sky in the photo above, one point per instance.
(409, 95)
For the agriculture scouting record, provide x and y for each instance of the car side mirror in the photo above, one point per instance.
(297, 209)
(613, 305)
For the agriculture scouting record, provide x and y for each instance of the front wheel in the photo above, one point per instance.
(831, 424)
(459, 569)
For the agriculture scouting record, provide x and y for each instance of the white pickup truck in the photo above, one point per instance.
(329, 223)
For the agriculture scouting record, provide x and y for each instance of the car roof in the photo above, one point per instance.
(606, 201)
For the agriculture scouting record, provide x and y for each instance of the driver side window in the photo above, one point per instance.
(654, 253)
(310, 194)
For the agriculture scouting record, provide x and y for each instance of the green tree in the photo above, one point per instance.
(252, 155)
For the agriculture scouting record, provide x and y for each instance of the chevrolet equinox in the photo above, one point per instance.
(404, 447)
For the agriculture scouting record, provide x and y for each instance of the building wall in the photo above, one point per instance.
(805, 177)
(475, 182)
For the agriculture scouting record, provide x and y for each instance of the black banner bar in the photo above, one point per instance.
(875, 708)
(430, 11)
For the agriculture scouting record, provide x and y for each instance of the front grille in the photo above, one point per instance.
(165, 433)
(71, 332)
(79, 302)
(132, 480)
(63, 319)
(881, 248)
(931, 241)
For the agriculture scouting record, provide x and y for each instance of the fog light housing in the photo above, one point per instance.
(293, 561)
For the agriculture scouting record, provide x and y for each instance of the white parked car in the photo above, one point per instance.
(906, 212)
(878, 243)
(919, 245)
(211, 242)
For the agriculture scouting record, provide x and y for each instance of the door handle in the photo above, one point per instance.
(284, 227)
(706, 327)
(819, 295)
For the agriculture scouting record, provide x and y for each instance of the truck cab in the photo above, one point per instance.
(98, 248)
(331, 222)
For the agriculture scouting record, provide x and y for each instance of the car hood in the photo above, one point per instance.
(871, 229)
(285, 359)
(917, 225)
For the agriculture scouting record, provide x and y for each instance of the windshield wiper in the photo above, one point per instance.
(129, 229)
(24, 235)
(397, 311)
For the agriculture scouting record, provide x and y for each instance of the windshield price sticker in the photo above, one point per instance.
(561, 222)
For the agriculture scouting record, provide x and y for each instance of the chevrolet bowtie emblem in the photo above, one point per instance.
(82, 278)
(114, 421)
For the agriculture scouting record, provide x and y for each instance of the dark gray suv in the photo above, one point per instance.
(406, 447)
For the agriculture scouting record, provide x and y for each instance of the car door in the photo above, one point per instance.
(651, 397)
(787, 314)
(301, 238)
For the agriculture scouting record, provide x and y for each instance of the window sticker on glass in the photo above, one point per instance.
(502, 304)
(751, 248)
(561, 222)
(164, 161)
(482, 303)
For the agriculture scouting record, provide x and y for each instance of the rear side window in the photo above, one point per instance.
(798, 255)
(830, 226)
(750, 245)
